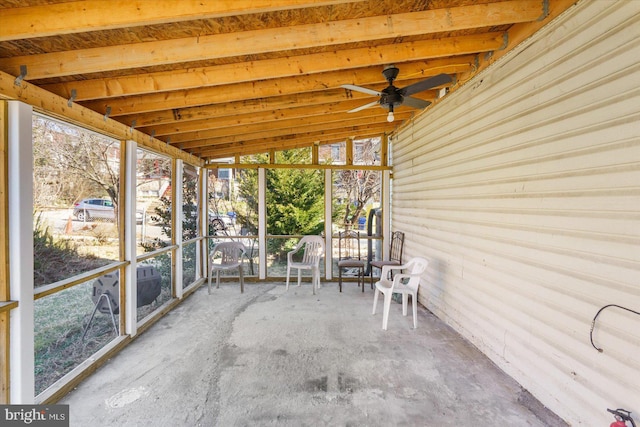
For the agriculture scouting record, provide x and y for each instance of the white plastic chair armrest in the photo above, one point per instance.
(397, 279)
(291, 253)
(387, 268)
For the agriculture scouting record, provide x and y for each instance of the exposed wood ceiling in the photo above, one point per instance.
(222, 78)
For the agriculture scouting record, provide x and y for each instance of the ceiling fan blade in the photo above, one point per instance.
(434, 81)
(415, 102)
(362, 89)
(362, 107)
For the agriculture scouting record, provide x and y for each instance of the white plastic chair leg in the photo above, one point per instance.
(387, 307)
(405, 299)
(414, 304)
(240, 273)
(217, 279)
(299, 276)
(209, 281)
(313, 281)
(288, 271)
(375, 300)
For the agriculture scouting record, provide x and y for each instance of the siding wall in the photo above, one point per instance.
(523, 189)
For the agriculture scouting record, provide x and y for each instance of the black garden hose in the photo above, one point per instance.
(593, 323)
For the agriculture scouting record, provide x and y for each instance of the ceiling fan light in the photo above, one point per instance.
(390, 117)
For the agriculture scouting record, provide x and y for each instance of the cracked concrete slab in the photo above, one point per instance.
(271, 357)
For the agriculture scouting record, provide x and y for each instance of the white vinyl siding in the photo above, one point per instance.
(522, 187)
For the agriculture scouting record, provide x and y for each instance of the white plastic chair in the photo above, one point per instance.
(313, 247)
(405, 283)
(226, 256)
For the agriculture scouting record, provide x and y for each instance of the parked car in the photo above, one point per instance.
(101, 209)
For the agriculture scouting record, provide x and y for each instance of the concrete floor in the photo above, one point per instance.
(270, 357)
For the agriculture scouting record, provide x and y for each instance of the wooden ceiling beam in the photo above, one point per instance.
(202, 115)
(300, 141)
(298, 111)
(194, 139)
(291, 129)
(97, 15)
(318, 136)
(210, 111)
(234, 109)
(250, 117)
(135, 55)
(224, 74)
(236, 92)
(53, 105)
(177, 101)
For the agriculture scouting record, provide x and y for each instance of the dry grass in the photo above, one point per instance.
(57, 258)
(60, 318)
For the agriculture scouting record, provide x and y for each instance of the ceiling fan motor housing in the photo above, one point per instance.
(391, 96)
(390, 73)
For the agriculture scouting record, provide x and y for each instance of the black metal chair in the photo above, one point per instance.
(395, 253)
(349, 256)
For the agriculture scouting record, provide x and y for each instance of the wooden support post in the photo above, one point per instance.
(176, 228)
(128, 286)
(202, 265)
(315, 156)
(123, 229)
(262, 222)
(384, 149)
(4, 256)
(20, 235)
(349, 151)
(328, 224)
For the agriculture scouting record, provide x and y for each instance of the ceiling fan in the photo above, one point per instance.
(391, 96)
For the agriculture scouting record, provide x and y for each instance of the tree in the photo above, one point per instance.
(70, 163)
(248, 191)
(294, 200)
(295, 197)
(359, 186)
(162, 215)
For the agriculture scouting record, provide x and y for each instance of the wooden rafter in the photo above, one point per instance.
(210, 76)
(300, 141)
(235, 92)
(95, 15)
(332, 33)
(232, 110)
(294, 112)
(302, 65)
(274, 131)
(188, 140)
(318, 135)
(53, 104)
